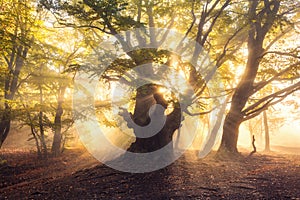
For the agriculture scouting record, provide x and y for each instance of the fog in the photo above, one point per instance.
(286, 136)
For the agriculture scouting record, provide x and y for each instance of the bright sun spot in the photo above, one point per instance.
(162, 90)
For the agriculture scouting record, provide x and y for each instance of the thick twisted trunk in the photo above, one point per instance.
(144, 100)
(230, 133)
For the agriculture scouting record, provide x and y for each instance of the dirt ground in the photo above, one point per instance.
(77, 175)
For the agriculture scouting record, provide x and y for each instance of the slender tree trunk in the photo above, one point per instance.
(43, 141)
(57, 139)
(41, 125)
(251, 131)
(34, 134)
(267, 134)
(37, 144)
(261, 128)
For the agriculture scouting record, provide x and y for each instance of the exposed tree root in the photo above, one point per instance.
(223, 154)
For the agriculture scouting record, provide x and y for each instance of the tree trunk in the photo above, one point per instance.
(145, 98)
(235, 116)
(230, 134)
(251, 131)
(5, 123)
(41, 125)
(267, 134)
(34, 133)
(4, 127)
(57, 139)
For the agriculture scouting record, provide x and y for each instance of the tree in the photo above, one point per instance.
(275, 118)
(18, 23)
(39, 100)
(36, 111)
(57, 81)
(63, 82)
(262, 17)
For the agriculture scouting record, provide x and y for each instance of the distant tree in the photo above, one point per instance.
(275, 118)
(34, 98)
(55, 80)
(267, 133)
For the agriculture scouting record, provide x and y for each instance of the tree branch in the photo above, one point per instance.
(191, 26)
(204, 38)
(280, 53)
(253, 111)
(218, 62)
(262, 84)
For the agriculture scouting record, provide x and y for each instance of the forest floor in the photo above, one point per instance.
(77, 175)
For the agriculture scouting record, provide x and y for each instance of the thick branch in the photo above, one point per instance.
(262, 84)
(255, 110)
